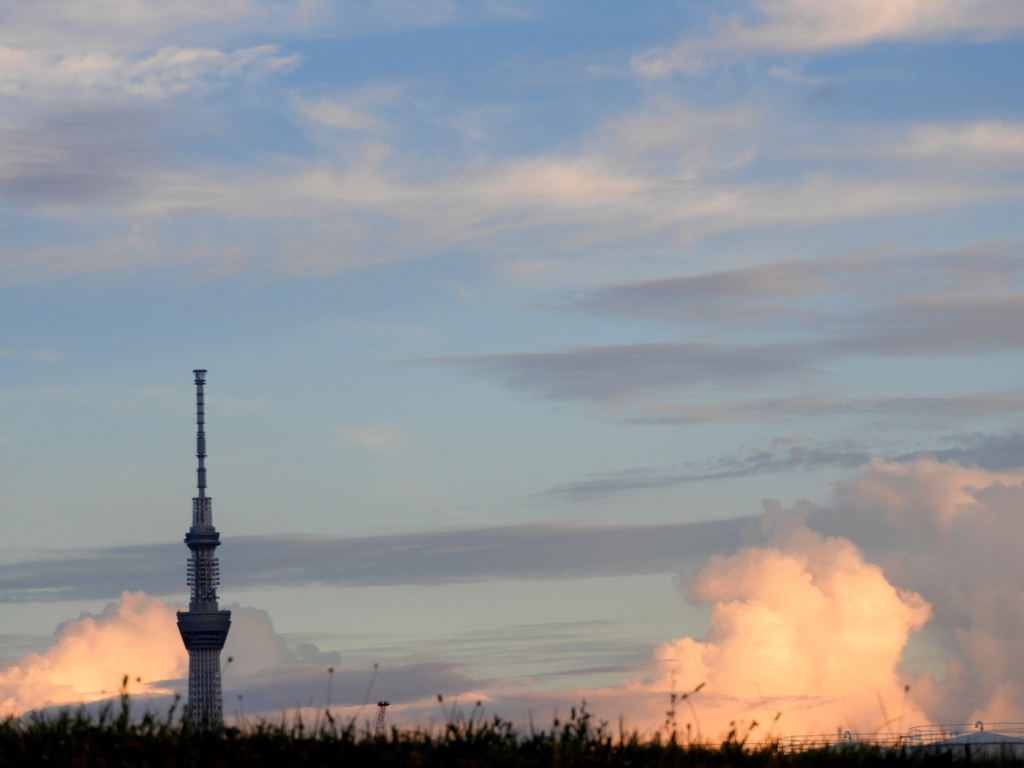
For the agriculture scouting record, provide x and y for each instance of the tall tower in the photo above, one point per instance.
(203, 627)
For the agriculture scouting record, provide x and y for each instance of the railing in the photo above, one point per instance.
(979, 734)
(844, 740)
(930, 734)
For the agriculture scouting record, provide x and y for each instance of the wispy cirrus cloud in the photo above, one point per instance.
(378, 438)
(170, 71)
(661, 177)
(981, 144)
(780, 455)
(988, 452)
(809, 26)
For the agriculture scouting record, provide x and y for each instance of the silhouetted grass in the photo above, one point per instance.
(115, 738)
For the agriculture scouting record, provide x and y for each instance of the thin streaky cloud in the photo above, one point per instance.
(543, 552)
(612, 372)
(794, 288)
(35, 357)
(778, 457)
(767, 410)
(991, 452)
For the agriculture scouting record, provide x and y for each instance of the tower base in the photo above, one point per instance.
(204, 635)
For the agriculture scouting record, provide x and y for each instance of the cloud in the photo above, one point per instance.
(613, 372)
(514, 552)
(377, 438)
(170, 71)
(130, 27)
(802, 622)
(796, 320)
(806, 636)
(809, 25)
(354, 112)
(996, 453)
(335, 115)
(949, 533)
(993, 453)
(138, 637)
(781, 455)
(62, 156)
(792, 290)
(91, 655)
(805, 628)
(986, 144)
(662, 177)
(786, 409)
(813, 25)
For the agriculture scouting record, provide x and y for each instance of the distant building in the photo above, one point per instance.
(204, 627)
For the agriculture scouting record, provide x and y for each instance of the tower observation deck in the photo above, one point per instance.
(204, 627)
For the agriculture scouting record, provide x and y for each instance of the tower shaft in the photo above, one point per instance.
(204, 627)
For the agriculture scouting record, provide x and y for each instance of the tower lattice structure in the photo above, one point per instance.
(204, 627)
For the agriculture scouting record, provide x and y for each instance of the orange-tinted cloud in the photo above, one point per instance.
(805, 628)
(136, 636)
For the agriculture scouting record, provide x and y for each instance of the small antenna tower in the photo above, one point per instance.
(378, 727)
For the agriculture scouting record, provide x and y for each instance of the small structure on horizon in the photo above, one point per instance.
(204, 627)
(379, 727)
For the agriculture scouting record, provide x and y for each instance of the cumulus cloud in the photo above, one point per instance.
(137, 637)
(815, 629)
(91, 655)
(805, 628)
(805, 624)
(949, 533)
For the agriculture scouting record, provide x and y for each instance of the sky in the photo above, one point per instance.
(557, 352)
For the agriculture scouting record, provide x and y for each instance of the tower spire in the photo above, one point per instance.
(204, 627)
(200, 433)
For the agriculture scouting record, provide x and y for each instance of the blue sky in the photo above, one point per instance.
(515, 314)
